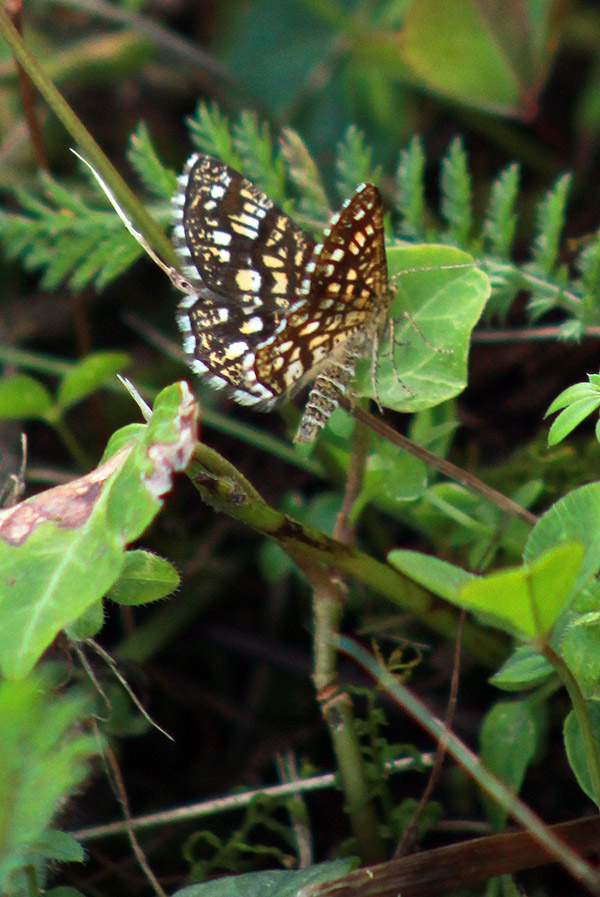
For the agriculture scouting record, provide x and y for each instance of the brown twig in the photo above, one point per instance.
(440, 464)
(446, 869)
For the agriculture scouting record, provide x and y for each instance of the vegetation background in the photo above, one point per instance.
(225, 666)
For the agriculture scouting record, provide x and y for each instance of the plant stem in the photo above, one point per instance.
(336, 707)
(580, 709)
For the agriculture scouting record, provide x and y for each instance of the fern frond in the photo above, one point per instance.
(260, 161)
(457, 207)
(313, 205)
(161, 182)
(500, 220)
(550, 221)
(67, 239)
(587, 265)
(506, 282)
(212, 134)
(354, 163)
(410, 179)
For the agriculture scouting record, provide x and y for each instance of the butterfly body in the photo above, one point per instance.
(269, 309)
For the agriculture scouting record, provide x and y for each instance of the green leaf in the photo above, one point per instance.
(390, 477)
(43, 759)
(88, 624)
(500, 219)
(23, 398)
(479, 55)
(442, 294)
(527, 599)
(142, 155)
(61, 550)
(550, 223)
(354, 163)
(438, 576)
(313, 205)
(274, 883)
(574, 518)
(524, 669)
(574, 394)
(88, 375)
(580, 649)
(457, 200)
(410, 178)
(212, 134)
(509, 737)
(144, 578)
(575, 746)
(57, 845)
(259, 161)
(67, 239)
(571, 417)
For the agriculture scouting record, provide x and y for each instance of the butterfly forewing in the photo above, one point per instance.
(245, 259)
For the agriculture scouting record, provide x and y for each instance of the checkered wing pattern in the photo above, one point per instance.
(244, 259)
(344, 292)
(270, 309)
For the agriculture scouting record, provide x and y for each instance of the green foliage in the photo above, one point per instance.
(44, 757)
(66, 237)
(575, 404)
(411, 191)
(549, 601)
(354, 163)
(244, 845)
(509, 737)
(276, 883)
(143, 158)
(52, 539)
(457, 195)
(501, 220)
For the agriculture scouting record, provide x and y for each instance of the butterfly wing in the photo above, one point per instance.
(244, 258)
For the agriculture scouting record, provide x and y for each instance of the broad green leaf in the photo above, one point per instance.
(571, 417)
(574, 518)
(576, 750)
(88, 375)
(527, 599)
(61, 550)
(144, 578)
(508, 742)
(574, 394)
(274, 883)
(43, 757)
(440, 297)
(438, 576)
(22, 397)
(58, 845)
(391, 476)
(525, 668)
(479, 54)
(580, 649)
(88, 624)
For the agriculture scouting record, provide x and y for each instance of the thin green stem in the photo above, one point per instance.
(336, 707)
(469, 761)
(580, 709)
(76, 451)
(224, 488)
(90, 149)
